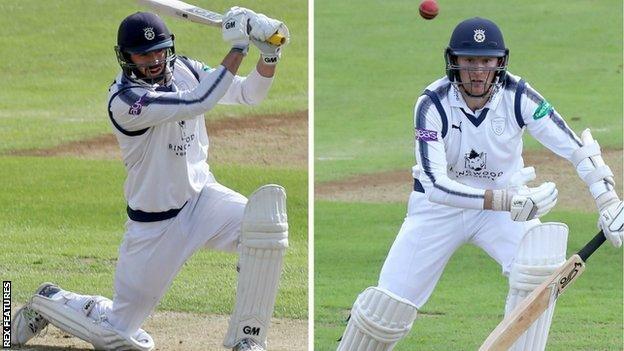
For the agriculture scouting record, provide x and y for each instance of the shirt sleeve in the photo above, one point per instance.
(249, 90)
(431, 156)
(134, 109)
(546, 125)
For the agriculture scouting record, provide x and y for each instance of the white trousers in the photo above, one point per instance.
(151, 254)
(429, 236)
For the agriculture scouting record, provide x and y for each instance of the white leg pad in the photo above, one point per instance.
(88, 323)
(379, 319)
(264, 238)
(540, 253)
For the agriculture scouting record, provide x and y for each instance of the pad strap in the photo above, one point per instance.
(379, 319)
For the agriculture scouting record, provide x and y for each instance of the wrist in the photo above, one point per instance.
(240, 48)
(605, 199)
(501, 200)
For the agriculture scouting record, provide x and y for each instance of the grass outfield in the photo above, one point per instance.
(373, 59)
(351, 243)
(63, 220)
(59, 62)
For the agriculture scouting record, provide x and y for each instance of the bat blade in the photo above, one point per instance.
(196, 14)
(185, 11)
(533, 306)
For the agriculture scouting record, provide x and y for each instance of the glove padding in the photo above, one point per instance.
(263, 27)
(269, 53)
(235, 27)
(530, 203)
(611, 221)
(523, 202)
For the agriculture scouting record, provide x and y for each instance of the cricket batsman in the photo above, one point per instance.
(176, 206)
(470, 187)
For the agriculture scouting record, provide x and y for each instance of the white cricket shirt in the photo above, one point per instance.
(162, 131)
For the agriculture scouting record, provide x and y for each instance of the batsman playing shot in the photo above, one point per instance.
(175, 205)
(471, 186)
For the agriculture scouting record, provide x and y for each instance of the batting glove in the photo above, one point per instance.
(611, 221)
(235, 28)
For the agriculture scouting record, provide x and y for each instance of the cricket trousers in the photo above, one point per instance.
(429, 236)
(152, 253)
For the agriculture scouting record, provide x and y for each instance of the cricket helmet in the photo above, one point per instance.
(476, 37)
(142, 33)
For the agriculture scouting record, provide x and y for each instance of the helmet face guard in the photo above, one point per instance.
(495, 76)
(142, 33)
(134, 71)
(476, 37)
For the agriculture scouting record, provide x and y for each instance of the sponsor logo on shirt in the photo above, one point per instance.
(186, 138)
(475, 165)
(136, 108)
(542, 110)
(426, 135)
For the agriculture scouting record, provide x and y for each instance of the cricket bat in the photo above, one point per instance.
(196, 14)
(532, 307)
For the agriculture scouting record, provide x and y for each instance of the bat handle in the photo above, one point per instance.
(591, 246)
(276, 39)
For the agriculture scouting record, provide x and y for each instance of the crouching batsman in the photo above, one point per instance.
(175, 206)
(470, 187)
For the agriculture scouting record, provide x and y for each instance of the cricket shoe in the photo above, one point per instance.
(27, 322)
(248, 345)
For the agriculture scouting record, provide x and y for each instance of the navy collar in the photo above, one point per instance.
(473, 119)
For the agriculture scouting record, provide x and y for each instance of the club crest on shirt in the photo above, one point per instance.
(498, 125)
(426, 135)
(475, 165)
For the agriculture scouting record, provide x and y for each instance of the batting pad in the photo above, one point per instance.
(379, 319)
(264, 238)
(540, 253)
(87, 326)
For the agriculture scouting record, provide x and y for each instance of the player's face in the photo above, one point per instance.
(477, 73)
(150, 64)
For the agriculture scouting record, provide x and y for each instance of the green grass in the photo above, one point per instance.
(352, 240)
(374, 58)
(59, 62)
(63, 220)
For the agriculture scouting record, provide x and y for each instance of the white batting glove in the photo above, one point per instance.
(263, 27)
(611, 221)
(235, 27)
(525, 203)
(269, 53)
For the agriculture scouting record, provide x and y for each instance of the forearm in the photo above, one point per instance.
(267, 71)
(233, 60)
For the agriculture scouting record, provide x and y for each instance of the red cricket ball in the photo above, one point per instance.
(428, 9)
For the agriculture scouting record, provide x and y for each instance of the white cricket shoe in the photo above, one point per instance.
(27, 323)
(248, 345)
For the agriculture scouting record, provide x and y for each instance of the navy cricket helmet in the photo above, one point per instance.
(476, 37)
(141, 33)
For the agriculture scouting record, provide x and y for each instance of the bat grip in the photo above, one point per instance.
(276, 39)
(591, 246)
